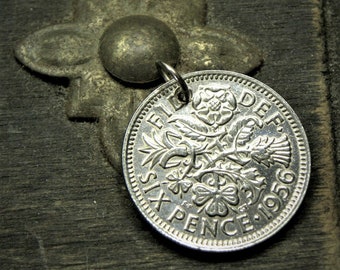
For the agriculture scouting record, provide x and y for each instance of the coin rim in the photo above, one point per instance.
(240, 242)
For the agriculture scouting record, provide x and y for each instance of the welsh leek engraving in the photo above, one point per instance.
(221, 170)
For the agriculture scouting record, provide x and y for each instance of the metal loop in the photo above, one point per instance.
(169, 73)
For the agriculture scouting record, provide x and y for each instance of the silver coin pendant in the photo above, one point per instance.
(221, 171)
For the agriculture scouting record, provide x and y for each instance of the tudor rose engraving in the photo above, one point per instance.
(224, 171)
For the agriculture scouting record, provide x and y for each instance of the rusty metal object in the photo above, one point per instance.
(73, 50)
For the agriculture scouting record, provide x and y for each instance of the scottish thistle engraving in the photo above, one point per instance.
(203, 157)
(220, 170)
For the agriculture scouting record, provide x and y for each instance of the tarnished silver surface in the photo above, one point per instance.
(221, 173)
(131, 45)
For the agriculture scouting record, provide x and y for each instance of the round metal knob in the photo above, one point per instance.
(131, 45)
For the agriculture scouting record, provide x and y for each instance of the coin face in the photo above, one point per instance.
(221, 173)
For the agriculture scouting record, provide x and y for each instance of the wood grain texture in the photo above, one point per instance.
(62, 205)
(332, 38)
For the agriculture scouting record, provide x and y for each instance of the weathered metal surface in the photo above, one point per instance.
(131, 45)
(73, 50)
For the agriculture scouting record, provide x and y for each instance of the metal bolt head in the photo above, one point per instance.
(131, 45)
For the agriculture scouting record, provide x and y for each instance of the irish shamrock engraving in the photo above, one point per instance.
(221, 172)
(212, 153)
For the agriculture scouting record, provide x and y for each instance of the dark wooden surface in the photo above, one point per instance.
(62, 206)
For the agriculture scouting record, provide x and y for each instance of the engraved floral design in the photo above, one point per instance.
(176, 184)
(214, 200)
(215, 193)
(268, 150)
(214, 157)
(214, 105)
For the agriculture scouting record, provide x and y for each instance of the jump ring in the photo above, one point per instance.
(169, 73)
